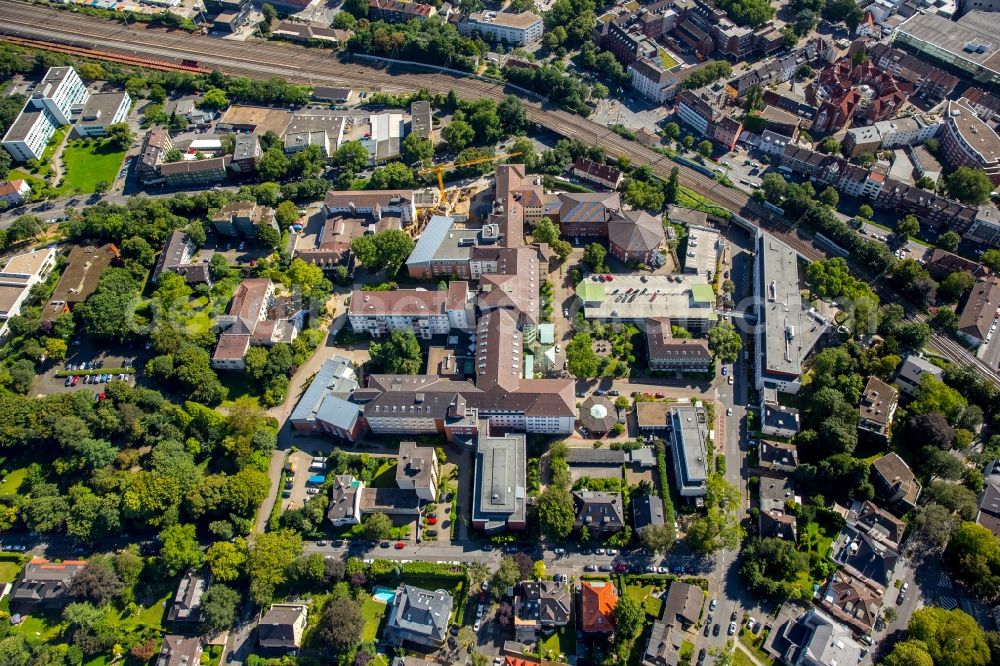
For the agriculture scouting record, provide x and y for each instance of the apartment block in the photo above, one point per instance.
(504, 27)
(426, 313)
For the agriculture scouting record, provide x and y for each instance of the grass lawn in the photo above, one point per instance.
(240, 385)
(741, 659)
(385, 476)
(643, 595)
(689, 199)
(752, 643)
(815, 540)
(379, 660)
(150, 616)
(97, 661)
(561, 642)
(38, 629)
(9, 569)
(374, 612)
(667, 60)
(35, 182)
(12, 481)
(88, 163)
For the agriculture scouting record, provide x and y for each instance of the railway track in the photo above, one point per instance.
(300, 65)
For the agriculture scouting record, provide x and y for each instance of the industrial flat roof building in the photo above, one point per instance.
(687, 300)
(787, 329)
(688, 432)
(499, 493)
(969, 44)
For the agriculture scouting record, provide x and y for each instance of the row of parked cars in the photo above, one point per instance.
(73, 380)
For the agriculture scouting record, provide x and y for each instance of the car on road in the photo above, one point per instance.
(599, 551)
(590, 567)
(560, 551)
(400, 545)
(713, 604)
(701, 656)
(661, 395)
(612, 552)
(708, 629)
(321, 543)
(621, 568)
(901, 597)
(730, 380)
(565, 312)
(477, 625)
(725, 371)
(606, 568)
(614, 392)
(384, 544)
(729, 412)
(488, 547)
(716, 629)
(732, 628)
(480, 609)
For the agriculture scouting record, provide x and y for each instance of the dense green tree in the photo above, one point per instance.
(629, 617)
(399, 354)
(507, 576)
(180, 550)
(267, 561)
(219, 607)
(968, 185)
(974, 557)
(581, 359)
(771, 566)
(513, 114)
(949, 240)
(214, 99)
(377, 526)
(458, 134)
(416, 149)
(658, 538)
(956, 285)
(119, 135)
(352, 156)
(273, 164)
(341, 623)
(952, 637)
(725, 342)
(556, 513)
(594, 255)
(908, 653)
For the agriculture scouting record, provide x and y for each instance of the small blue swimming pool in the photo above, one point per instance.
(384, 594)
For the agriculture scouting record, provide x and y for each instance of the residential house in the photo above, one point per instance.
(427, 313)
(155, 146)
(180, 651)
(647, 511)
(809, 637)
(851, 601)
(44, 585)
(895, 482)
(417, 470)
(540, 606)
(192, 173)
(282, 626)
(345, 501)
(868, 559)
(602, 174)
(14, 192)
(243, 218)
(177, 256)
(246, 152)
(978, 314)
(255, 317)
(419, 618)
(878, 405)
(187, 600)
(912, 371)
(775, 524)
(395, 11)
(599, 512)
(989, 500)
(870, 519)
(942, 263)
(665, 353)
(777, 420)
(688, 449)
(777, 458)
(681, 610)
(598, 600)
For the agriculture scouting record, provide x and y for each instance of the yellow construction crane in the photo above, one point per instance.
(439, 169)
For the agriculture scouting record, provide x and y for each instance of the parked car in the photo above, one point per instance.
(716, 630)
(713, 604)
(400, 545)
(590, 567)
(732, 628)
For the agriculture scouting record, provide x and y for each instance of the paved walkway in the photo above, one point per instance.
(274, 474)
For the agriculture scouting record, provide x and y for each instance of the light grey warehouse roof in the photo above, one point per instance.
(500, 478)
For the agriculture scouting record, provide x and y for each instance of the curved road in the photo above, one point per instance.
(315, 66)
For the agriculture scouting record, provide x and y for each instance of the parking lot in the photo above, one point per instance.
(297, 482)
(47, 383)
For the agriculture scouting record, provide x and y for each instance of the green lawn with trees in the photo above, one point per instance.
(89, 162)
